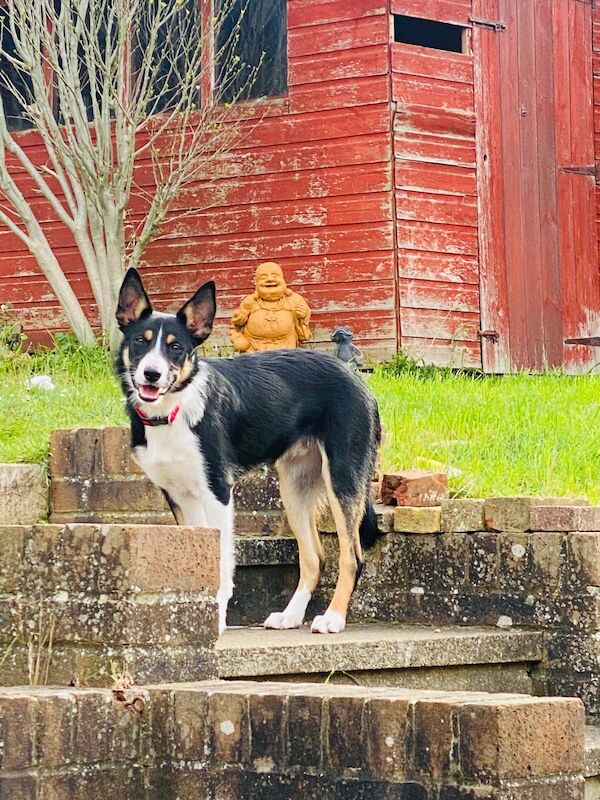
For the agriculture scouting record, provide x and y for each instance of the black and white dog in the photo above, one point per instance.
(198, 423)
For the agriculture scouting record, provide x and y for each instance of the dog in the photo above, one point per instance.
(197, 424)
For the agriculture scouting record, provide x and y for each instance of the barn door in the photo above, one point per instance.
(536, 184)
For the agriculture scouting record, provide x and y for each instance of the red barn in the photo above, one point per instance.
(425, 174)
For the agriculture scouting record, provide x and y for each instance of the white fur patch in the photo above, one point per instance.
(293, 616)
(329, 622)
(173, 460)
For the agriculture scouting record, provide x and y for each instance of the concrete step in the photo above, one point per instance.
(592, 762)
(452, 658)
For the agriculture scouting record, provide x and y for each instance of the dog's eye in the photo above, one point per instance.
(176, 347)
(139, 340)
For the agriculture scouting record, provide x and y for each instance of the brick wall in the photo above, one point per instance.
(545, 576)
(78, 602)
(276, 741)
(94, 478)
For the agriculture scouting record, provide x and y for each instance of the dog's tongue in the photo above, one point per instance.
(148, 392)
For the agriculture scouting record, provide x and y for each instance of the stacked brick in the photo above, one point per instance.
(94, 478)
(318, 742)
(79, 602)
(505, 561)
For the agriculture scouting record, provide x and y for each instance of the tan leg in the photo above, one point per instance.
(347, 522)
(301, 487)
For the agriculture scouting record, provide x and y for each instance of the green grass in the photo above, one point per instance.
(86, 393)
(519, 434)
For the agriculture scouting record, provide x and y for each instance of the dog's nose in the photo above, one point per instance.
(151, 375)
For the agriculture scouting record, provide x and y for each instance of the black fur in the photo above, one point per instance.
(260, 405)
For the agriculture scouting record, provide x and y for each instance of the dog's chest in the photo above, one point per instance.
(173, 460)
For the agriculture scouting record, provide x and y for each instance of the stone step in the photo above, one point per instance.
(452, 658)
(592, 762)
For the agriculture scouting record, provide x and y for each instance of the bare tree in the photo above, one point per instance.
(110, 85)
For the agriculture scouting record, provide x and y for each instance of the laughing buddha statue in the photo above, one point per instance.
(272, 317)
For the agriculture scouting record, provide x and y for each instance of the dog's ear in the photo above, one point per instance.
(198, 314)
(133, 300)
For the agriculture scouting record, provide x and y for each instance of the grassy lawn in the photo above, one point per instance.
(518, 434)
(86, 394)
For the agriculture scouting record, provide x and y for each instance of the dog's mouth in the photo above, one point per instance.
(148, 392)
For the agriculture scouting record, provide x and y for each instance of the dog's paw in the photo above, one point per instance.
(283, 620)
(329, 622)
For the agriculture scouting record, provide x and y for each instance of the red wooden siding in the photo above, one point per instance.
(310, 187)
(421, 196)
(539, 269)
(435, 193)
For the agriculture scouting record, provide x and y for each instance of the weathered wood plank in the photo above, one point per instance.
(358, 62)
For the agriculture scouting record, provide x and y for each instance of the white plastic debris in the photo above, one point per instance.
(41, 382)
(504, 622)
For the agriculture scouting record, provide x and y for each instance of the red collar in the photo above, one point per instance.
(153, 422)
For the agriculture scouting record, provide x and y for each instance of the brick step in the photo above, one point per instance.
(243, 739)
(450, 659)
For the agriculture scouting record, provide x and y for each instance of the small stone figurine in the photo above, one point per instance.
(272, 317)
(344, 349)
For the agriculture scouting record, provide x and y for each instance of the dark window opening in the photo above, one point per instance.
(429, 33)
(251, 44)
(170, 55)
(15, 84)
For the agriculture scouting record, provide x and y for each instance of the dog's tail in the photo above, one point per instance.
(369, 530)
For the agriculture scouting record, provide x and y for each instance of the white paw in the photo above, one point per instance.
(283, 620)
(329, 622)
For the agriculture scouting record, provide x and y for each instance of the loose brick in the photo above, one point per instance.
(55, 730)
(304, 731)
(414, 488)
(115, 451)
(387, 723)
(521, 739)
(514, 513)
(124, 494)
(584, 559)
(158, 733)
(23, 494)
(12, 545)
(85, 455)
(267, 726)
(67, 497)
(547, 560)
(346, 746)
(434, 738)
(22, 787)
(17, 728)
(94, 726)
(462, 516)
(408, 519)
(589, 519)
(190, 715)
(555, 518)
(228, 728)
(385, 517)
(60, 453)
(513, 562)
(483, 568)
(152, 558)
(452, 561)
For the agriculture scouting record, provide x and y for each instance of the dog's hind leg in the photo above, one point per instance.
(302, 490)
(347, 513)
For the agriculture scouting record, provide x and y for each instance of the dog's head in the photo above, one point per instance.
(158, 353)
